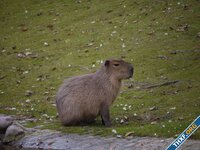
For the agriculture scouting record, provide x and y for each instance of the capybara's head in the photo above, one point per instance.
(119, 68)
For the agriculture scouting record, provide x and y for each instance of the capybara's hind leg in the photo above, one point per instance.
(86, 122)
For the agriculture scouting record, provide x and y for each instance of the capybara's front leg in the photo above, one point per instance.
(105, 115)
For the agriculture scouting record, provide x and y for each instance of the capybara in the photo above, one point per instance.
(81, 99)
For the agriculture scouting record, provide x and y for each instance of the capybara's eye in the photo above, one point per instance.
(116, 65)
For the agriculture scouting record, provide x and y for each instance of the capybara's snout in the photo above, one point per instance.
(131, 70)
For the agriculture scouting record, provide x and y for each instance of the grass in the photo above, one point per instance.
(79, 35)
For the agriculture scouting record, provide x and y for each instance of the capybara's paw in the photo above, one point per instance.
(107, 124)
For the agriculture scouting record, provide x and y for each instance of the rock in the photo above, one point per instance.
(1, 146)
(5, 121)
(13, 133)
(182, 28)
(24, 29)
(29, 93)
(48, 139)
(20, 55)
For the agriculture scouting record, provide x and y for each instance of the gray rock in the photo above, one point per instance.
(5, 121)
(13, 133)
(47, 139)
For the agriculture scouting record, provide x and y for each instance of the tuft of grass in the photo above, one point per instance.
(78, 35)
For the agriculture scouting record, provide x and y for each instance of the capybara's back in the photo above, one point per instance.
(81, 99)
(75, 99)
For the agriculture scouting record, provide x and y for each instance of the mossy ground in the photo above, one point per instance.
(78, 35)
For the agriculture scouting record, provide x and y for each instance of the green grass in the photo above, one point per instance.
(80, 35)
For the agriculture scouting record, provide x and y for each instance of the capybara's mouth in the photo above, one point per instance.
(130, 76)
(131, 73)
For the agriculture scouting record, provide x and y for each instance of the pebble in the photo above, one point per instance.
(5, 121)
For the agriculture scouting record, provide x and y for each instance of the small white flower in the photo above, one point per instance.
(173, 108)
(25, 72)
(53, 105)
(124, 108)
(125, 117)
(154, 122)
(27, 49)
(46, 44)
(90, 44)
(28, 53)
(92, 22)
(114, 131)
(13, 108)
(113, 32)
(93, 65)
(46, 93)
(28, 101)
(166, 33)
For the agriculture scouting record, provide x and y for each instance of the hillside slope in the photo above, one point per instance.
(44, 42)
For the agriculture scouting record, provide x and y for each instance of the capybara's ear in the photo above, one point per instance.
(107, 62)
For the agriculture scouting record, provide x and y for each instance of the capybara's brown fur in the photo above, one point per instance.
(83, 98)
